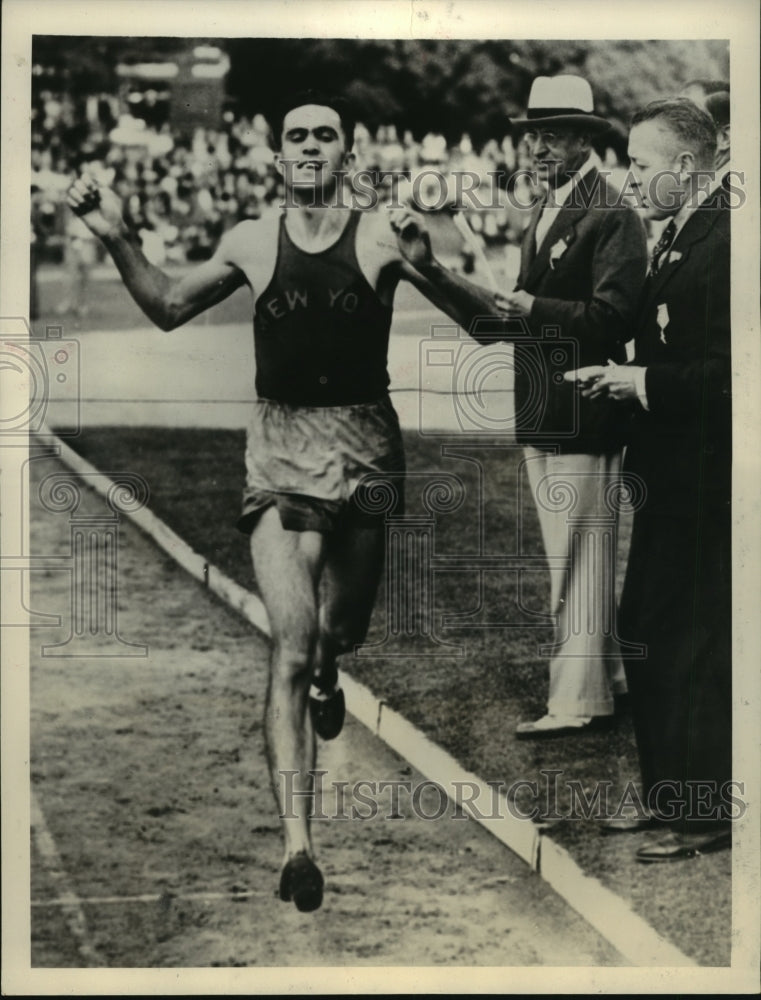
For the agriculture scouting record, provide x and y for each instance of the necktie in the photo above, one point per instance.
(662, 246)
(528, 244)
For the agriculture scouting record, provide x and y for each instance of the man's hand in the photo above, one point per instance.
(615, 381)
(585, 378)
(98, 207)
(412, 238)
(515, 304)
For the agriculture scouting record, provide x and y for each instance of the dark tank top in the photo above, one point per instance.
(320, 330)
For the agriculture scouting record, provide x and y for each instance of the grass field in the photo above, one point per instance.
(470, 703)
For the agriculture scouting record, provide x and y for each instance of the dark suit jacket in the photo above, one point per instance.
(677, 593)
(587, 279)
(681, 445)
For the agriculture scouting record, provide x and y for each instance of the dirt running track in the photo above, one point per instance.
(156, 815)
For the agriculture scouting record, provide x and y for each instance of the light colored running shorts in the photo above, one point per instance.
(310, 462)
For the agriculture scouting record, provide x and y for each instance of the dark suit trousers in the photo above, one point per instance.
(677, 600)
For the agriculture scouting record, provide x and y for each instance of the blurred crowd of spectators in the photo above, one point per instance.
(182, 193)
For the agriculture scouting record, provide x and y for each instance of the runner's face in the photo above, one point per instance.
(313, 148)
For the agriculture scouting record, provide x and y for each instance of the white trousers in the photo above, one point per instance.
(577, 504)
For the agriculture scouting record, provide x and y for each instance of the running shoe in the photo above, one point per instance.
(301, 881)
(328, 711)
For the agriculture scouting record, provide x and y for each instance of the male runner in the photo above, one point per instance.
(323, 278)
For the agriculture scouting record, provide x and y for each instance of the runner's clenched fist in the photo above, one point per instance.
(98, 207)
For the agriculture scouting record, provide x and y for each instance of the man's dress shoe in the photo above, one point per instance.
(561, 725)
(629, 824)
(672, 846)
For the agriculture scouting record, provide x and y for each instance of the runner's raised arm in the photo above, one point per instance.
(460, 299)
(167, 302)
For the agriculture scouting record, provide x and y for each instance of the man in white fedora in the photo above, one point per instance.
(583, 265)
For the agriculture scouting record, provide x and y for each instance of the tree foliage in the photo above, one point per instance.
(454, 86)
(457, 86)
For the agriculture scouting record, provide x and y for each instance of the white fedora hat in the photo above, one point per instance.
(561, 100)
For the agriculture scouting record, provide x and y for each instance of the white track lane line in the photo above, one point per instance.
(148, 897)
(67, 898)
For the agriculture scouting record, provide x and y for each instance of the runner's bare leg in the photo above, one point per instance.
(287, 565)
(353, 565)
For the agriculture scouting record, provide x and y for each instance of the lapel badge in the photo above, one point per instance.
(557, 250)
(662, 319)
(674, 256)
